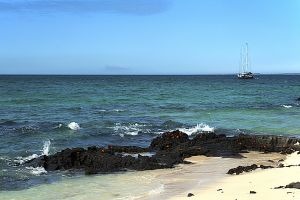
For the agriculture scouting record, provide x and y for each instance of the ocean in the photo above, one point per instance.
(40, 115)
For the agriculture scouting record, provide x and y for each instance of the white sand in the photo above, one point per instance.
(261, 181)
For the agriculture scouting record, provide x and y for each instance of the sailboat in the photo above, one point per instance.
(245, 72)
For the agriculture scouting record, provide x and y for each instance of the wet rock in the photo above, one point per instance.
(265, 167)
(240, 169)
(127, 149)
(287, 151)
(95, 160)
(266, 143)
(207, 136)
(169, 140)
(170, 149)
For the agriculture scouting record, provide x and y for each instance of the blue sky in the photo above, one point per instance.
(148, 36)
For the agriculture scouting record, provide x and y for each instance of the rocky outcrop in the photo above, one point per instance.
(267, 143)
(240, 169)
(96, 160)
(295, 185)
(169, 149)
(169, 140)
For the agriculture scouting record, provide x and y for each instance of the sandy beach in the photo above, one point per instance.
(261, 182)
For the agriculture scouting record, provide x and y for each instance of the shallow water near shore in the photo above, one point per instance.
(45, 114)
(162, 183)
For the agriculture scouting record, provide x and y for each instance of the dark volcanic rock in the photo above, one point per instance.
(207, 136)
(170, 148)
(287, 151)
(240, 169)
(190, 195)
(252, 192)
(127, 149)
(95, 160)
(169, 140)
(295, 185)
(266, 143)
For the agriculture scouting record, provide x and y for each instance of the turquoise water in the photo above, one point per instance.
(131, 110)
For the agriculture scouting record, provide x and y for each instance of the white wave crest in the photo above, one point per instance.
(22, 160)
(45, 151)
(131, 129)
(37, 170)
(74, 126)
(198, 128)
(287, 106)
(46, 147)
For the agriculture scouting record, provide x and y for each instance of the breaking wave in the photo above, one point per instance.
(74, 126)
(286, 106)
(22, 160)
(37, 170)
(46, 148)
(134, 129)
(197, 129)
(45, 151)
(130, 129)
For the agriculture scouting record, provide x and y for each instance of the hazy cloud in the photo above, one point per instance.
(136, 7)
(113, 69)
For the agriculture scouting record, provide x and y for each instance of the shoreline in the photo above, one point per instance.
(177, 165)
(202, 178)
(261, 183)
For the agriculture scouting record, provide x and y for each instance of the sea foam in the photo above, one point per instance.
(46, 148)
(45, 151)
(37, 170)
(131, 129)
(74, 126)
(198, 128)
(287, 106)
(22, 160)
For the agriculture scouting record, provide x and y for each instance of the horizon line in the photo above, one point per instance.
(209, 74)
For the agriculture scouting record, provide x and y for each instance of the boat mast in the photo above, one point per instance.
(247, 58)
(241, 61)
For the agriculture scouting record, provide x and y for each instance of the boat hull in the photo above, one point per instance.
(245, 76)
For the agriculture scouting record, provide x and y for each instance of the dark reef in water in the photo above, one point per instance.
(169, 149)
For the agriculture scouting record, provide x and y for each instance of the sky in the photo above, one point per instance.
(148, 36)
